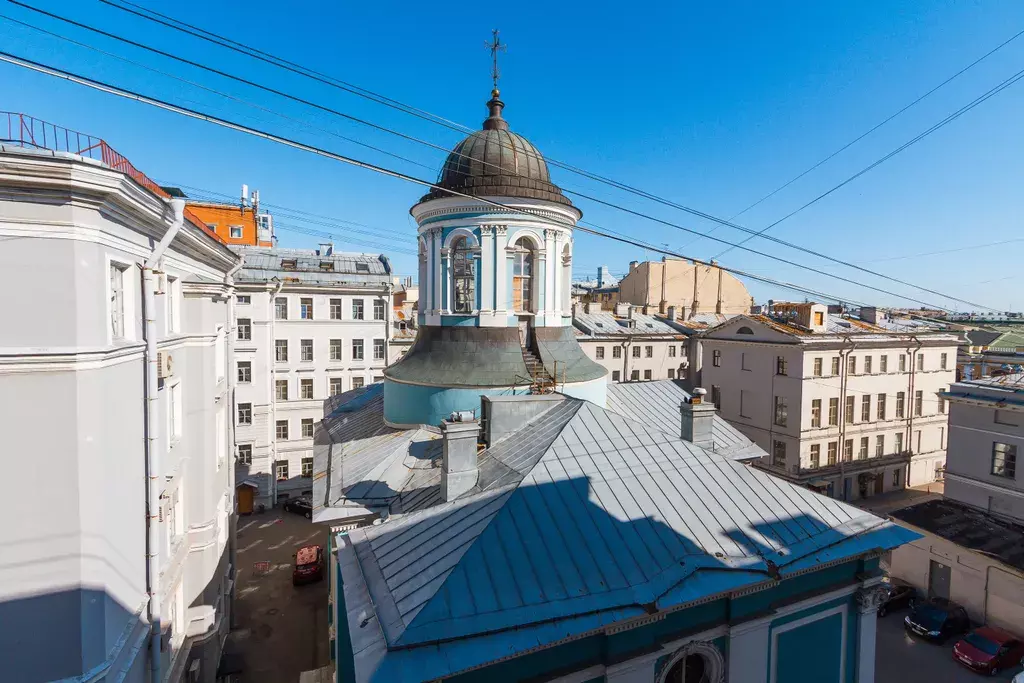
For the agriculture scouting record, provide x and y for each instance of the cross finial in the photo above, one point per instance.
(495, 46)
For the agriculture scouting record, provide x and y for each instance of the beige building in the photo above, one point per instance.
(691, 288)
(632, 346)
(843, 406)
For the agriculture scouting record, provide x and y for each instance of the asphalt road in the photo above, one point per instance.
(902, 659)
(281, 629)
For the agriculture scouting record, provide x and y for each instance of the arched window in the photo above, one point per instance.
(744, 330)
(463, 277)
(695, 662)
(522, 276)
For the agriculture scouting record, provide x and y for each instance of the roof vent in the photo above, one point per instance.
(289, 264)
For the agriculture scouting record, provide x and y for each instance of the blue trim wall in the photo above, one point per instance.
(404, 403)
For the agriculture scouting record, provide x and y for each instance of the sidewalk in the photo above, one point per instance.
(887, 502)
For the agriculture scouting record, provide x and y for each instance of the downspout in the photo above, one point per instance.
(911, 404)
(154, 470)
(229, 280)
(272, 360)
(844, 382)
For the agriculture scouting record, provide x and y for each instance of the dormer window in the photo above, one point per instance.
(744, 330)
(327, 266)
(362, 267)
(289, 264)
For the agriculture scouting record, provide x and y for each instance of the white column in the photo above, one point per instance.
(868, 600)
(748, 651)
(435, 284)
(501, 274)
(487, 283)
(556, 289)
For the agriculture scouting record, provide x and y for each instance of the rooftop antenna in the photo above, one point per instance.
(495, 46)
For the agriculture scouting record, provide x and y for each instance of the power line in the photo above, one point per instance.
(343, 239)
(583, 228)
(639, 214)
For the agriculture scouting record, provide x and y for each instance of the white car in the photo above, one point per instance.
(1019, 678)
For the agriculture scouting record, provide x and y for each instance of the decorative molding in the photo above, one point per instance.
(486, 230)
(870, 599)
(501, 230)
(631, 624)
(714, 661)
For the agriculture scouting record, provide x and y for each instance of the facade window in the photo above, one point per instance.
(244, 456)
(815, 455)
(942, 361)
(900, 400)
(306, 309)
(744, 403)
(1004, 460)
(851, 363)
(780, 365)
(779, 454)
(281, 430)
(879, 445)
(920, 361)
(880, 410)
(716, 358)
(865, 408)
(245, 413)
(942, 404)
(903, 362)
(863, 452)
(235, 232)
(781, 411)
(616, 352)
(818, 363)
(281, 350)
(898, 443)
(174, 410)
(833, 412)
(636, 352)
(647, 374)
(867, 365)
(306, 350)
(522, 276)
(918, 402)
(244, 329)
(648, 352)
(358, 383)
(849, 409)
(672, 351)
(357, 309)
(244, 372)
(835, 365)
(616, 376)
(716, 396)
(634, 376)
(463, 278)
(357, 349)
(335, 349)
(378, 349)
(305, 388)
(819, 318)
(335, 309)
(281, 308)
(307, 464)
(117, 296)
(243, 300)
(599, 352)
(335, 386)
(833, 451)
(307, 428)
(281, 470)
(883, 364)
(896, 477)
(671, 373)
(816, 412)
(848, 450)
(743, 362)
(378, 309)
(281, 389)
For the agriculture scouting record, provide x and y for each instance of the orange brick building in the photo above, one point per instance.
(235, 224)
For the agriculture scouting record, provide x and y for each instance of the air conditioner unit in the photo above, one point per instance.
(164, 364)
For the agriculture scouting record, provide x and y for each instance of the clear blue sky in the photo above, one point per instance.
(708, 104)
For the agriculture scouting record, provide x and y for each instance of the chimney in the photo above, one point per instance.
(591, 308)
(326, 248)
(622, 310)
(631, 312)
(633, 265)
(672, 315)
(697, 418)
(459, 434)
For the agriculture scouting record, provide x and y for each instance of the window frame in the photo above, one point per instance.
(716, 358)
(243, 329)
(819, 367)
(280, 389)
(245, 365)
(1007, 458)
(358, 309)
(306, 308)
(780, 411)
(304, 384)
(306, 350)
(379, 345)
(816, 412)
(599, 352)
(358, 349)
(243, 410)
(280, 350)
(379, 304)
(462, 275)
(781, 365)
(303, 424)
(333, 382)
(281, 308)
(281, 430)
(243, 458)
(307, 471)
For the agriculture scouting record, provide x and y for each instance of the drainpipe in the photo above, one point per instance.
(154, 470)
(844, 382)
(272, 360)
(229, 280)
(911, 404)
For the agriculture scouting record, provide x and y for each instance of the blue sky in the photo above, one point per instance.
(711, 105)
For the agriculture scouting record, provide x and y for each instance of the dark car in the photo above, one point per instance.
(309, 565)
(301, 506)
(899, 594)
(988, 650)
(936, 619)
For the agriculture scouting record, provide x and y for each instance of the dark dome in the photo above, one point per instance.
(495, 162)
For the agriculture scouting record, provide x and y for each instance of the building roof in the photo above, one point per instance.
(587, 518)
(998, 391)
(656, 404)
(1009, 340)
(606, 323)
(838, 327)
(968, 528)
(308, 266)
(981, 337)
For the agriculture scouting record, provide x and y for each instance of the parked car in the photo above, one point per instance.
(1019, 678)
(899, 594)
(301, 506)
(988, 650)
(309, 565)
(936, 619)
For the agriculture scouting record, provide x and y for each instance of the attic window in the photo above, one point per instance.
(289, 264)
(599, 324)
(327, 265)
(744, 330)
(362, 267)
(650, 325)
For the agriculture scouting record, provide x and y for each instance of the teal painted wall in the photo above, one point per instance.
(811, 652)
(344, 671)
(403, 403)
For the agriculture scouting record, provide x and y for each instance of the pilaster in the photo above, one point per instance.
(501, 258)
(868, 601)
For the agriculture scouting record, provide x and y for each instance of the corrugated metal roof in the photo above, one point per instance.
(607, 323)
(656, 404)
(838, 327)
(262, 264)
(615, 519)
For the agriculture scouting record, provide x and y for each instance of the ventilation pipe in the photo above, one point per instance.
(697, 418)
(459, 434)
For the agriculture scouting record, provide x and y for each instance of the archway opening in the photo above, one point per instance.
(690, 669)
(522, 276)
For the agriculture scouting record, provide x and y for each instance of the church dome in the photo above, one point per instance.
(495, 162)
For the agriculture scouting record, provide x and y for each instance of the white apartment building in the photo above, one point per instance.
(986, 432)
(309, 324)
(840, 405)
(118, 541)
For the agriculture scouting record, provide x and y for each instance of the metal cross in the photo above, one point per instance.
(494, 46)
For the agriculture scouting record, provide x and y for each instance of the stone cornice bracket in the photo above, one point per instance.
(870, 599)
(501, 230)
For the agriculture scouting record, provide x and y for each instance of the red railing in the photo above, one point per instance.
(28, 131)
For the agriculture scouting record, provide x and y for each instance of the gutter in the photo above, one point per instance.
(154, 471)
(271, 361)
(229, 280)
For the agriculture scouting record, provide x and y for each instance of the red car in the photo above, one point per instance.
(309, 565)
(988, 650)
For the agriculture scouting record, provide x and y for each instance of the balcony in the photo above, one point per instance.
(854, 466)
